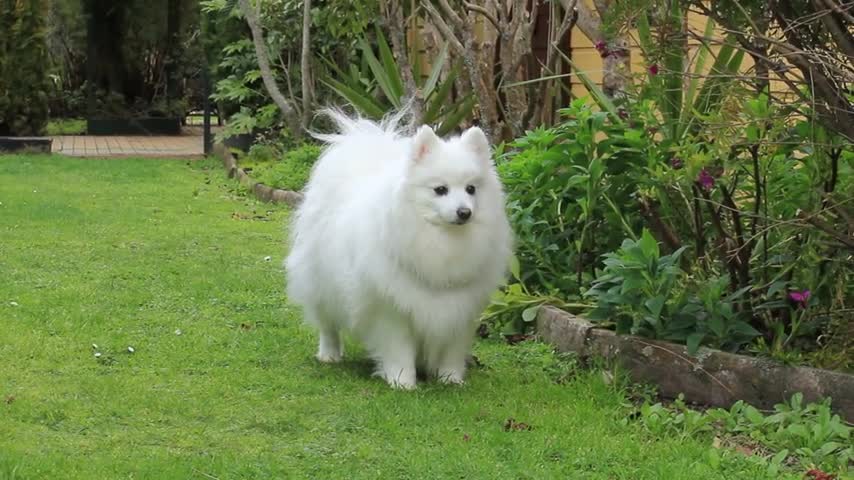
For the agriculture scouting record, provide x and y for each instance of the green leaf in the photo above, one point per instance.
(693, 342)
(699, 66)
(655, 305)
(515, 268)
(360, 99)
(648, 245)
(387, 76)
(598, 95)
(717, 326)
(438, 65)
(453, 118)
(530, 313)
(436, 101)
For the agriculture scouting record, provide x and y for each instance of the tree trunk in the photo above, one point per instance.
(305, 65)
(396, 24)
(291, 116)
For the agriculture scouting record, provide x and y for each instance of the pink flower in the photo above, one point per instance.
(706, 180)
(800, 298)
(653, 69)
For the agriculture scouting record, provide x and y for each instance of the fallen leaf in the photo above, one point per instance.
(466, 437)
(10, 399)
(816, 474)
(511, 424)
(743, 449)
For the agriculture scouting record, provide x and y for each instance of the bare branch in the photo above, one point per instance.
(483, 11)
(449, 12)
(587, 21)
(443, 27)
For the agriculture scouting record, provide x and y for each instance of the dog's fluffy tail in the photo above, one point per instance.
(390, 126)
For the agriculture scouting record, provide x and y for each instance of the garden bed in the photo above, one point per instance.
(262, 192)
(710, 377)
(25, 144)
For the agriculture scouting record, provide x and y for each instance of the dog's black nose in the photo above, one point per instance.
(463, 213)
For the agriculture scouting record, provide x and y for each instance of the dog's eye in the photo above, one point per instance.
(470, 189)
(441, 190)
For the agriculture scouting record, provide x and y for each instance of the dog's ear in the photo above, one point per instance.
(425, 141)
(476, 140)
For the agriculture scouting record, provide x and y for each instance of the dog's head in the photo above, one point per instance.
(451, 181)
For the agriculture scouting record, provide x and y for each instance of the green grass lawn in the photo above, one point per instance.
(66, 126)
(166, 258)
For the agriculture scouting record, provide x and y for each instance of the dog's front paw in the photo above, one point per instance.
(328, 357)
(400, 379)
(452, 377)
(398, 385)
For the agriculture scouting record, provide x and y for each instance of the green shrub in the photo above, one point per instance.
(645, 293)
(797, 433)
(752, 265)
(24, 81)
(290, 173)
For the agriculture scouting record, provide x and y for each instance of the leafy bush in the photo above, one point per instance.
(289, 173)
(810, 435)
(753, 195)
(23, 67)
(644, 293)
(568, 191)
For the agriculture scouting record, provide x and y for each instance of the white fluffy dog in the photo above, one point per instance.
(399, 241)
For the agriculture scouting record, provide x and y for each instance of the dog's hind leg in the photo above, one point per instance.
(330, 349)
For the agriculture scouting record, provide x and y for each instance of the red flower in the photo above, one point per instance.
(800, 298)
(653, 69)
(706, 180)
(602, 48)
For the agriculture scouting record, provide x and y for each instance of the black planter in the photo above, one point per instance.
(134, 126)
(25, 144)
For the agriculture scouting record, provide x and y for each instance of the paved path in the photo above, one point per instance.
(189, 144)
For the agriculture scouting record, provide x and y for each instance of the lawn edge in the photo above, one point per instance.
(262, 192)
(711, 377)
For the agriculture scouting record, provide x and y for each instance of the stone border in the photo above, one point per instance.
(13, 145)
(711, 377)
(262, 192)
